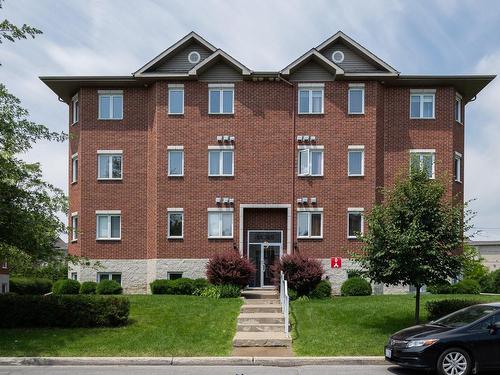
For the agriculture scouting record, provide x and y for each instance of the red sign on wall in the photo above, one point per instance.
(336, 262)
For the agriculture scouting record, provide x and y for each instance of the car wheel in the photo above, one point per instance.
(454, 361)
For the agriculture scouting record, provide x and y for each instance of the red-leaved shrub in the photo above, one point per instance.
(230, 268)
(302, 274)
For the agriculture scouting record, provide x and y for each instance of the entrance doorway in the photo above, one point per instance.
(265, 247)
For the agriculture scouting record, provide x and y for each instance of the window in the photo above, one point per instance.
(174, 275)
(76, 108)
(109, 165)
(457, 167)
(110, 104)
(310, 162)
(311, 98)
(74, 168)
(74, 226)
(310, 224)
(221, 162)
(221, 99)
(356, 99)
(5, 288)
(108, 225)
(423, 160)
(175, 99)
(422, 104)
(354, 222)
(458, 108)
(175, 218)
(194, 57)
(175, 161)
(356, 161)
(74, 276)
(109, 276)
(4, 265)
(220, 223)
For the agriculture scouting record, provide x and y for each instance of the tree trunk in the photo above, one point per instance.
(417, 304)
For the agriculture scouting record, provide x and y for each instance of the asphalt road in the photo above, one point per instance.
(208, 370)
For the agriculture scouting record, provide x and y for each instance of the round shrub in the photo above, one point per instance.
(302, 274)
(200, 283)
(230, 268)
(322, 291)
(486, 283)
(443, 288)
(67, 286)
(109, 287)
(24, 286)
(438, 309)
(495, 281)
(356, 286)
(467, 286)
(88, 287)
(161, 286)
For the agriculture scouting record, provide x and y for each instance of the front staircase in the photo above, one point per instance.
(261, 322)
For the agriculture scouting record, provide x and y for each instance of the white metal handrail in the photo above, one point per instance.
(284, 300)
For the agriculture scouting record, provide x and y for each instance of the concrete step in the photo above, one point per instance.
(243, 339)
(259, 301)
(261, 318)
(244, 327)
(266, 308)
(260, 294)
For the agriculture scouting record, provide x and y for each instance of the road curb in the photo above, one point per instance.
(190, 361)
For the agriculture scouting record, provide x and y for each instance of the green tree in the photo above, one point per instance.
(414, 236)
(11, 32)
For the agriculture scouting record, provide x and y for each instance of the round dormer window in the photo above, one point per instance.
(194, 57)
(337, 56)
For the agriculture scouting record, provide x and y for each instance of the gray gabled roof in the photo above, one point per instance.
(219, 54)
(306, 57)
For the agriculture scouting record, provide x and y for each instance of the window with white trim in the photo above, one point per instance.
(109, 225)
(74, 226)
(457, 167)
(109, 165)
(422, 104)
(423, 160)
(220, 224)
(176, 99)
(356, 161)
(175, 220)
(74, 168)
(221, 162)
(310, 161)
(175, 161)
(75, 109)
(355, 221)
(356, 99)
(458, 108)
(116, 276)
(110, 104)
(311, 98)
(310, 224)
(220, 99)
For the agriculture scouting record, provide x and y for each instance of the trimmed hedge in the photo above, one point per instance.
(438, 309)
(62, 311)
(24, 285)
(88, 287)
(109, 287)
(67, 286)
(444, 288)
(182, 286)
(322, 291)
(466, 286)
(356, 286)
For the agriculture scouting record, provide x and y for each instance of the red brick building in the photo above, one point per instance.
(196, 154)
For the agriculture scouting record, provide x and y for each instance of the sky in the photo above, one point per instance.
(116, 37)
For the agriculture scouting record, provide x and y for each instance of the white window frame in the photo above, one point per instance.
(221, 149)
(220, 87)
(310, 87)
(176, 211)
(458, 175)
(220, 212)
(110, 153)
(309, 212)
(175, 87)
(109, 275)
(303, 149)
(356, 87)
(425, 151)
(74, 170)
(356, 210)
(75, 110)
(175, 149)
(356, 148)
(109, 214)
(421, 94)
(74, 275)
(458, 101)
(74, 228)
(111, 94)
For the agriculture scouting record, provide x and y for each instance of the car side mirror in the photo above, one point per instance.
(494, 328)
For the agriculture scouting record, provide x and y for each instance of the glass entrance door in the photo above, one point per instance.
(271, 255)
(263, 254)
(255, 254)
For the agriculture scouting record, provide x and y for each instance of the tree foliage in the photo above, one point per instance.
(11, 32)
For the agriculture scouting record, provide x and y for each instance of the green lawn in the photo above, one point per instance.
(160, 326)
(355, 325)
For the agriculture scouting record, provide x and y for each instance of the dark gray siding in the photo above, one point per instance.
(221, 72)
(353, 61)
(311, 71)
(178, 63)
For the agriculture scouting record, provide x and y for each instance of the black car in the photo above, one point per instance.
(453, 345)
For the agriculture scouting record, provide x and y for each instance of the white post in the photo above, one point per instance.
(284, 300)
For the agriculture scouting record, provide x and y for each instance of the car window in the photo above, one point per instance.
(485, 324)
(466, 316)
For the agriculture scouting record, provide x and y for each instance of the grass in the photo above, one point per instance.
(161, 325)
(355, 325)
